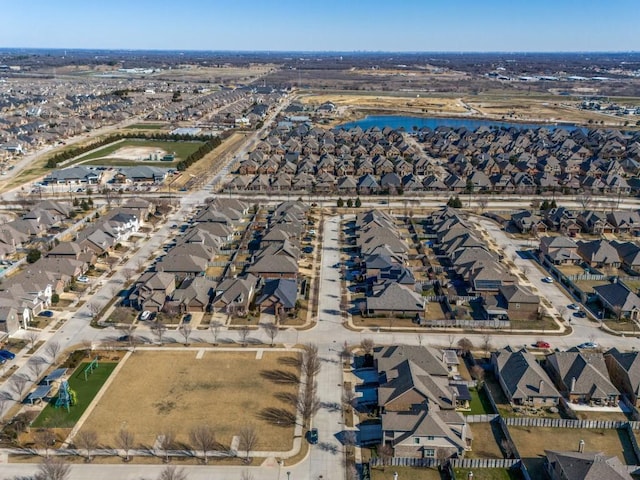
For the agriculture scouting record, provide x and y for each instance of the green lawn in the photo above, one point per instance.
(479, 403)
(85, 391)
(489, 473)
(182, 149)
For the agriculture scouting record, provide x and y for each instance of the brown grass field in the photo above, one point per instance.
(485, 444)
(431, 104)
(160, 390)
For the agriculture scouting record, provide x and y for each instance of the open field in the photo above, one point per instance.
(428, 104)
(139, 149)
(177, 391)
(85, 391)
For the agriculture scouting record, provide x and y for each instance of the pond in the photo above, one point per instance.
(408, 123)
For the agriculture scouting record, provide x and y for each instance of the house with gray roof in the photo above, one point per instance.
(624, 221)
(395, 299)
(582, 377)
(559, 250)
(193, 295)
(629, 254)
(599, 253)
(278, 296)
(152, 290)
(624, 371)
(234, 295)
(73, 175)
(575, 465)
(619, 300)
(522, 378)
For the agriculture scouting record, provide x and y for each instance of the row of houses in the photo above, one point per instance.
(575, 376)
(383, 267)
(481, 269)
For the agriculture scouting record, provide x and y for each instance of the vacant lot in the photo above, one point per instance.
(432, 105)
(156, 391)
(532, 442)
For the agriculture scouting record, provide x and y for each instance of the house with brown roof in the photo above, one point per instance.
(234, 295)
(624, 371)
(152, 290)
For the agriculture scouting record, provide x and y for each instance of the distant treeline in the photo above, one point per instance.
(209, 144)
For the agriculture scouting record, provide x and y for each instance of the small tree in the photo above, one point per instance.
(248, 439)
(166, 441)
(203, 438)
(358, 203)
(33, 255)
(45, 439)
(310, 361)
(171, 472)
(486, 343)
(18, 384)
(53, 350)
(340, 203)
(271, 330)
(367, 344)
(53, 469)
(244, 334)
(185, 330)
(477, 372)
(158, 328)
(32, 337)
(125, 440)
(87, 440)
(465, 345)
(36, 367)
(215, 328)
(349, 203)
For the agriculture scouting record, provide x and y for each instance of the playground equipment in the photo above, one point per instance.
(66, 396)
(90, 368)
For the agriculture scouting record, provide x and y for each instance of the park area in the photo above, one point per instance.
(139, 151)
(159, 391)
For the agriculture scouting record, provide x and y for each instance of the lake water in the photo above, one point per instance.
(397, 121)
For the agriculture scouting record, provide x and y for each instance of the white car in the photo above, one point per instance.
(83, 279)
(547, 280)
(145, 315)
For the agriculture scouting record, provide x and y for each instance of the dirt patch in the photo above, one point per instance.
(156, 391)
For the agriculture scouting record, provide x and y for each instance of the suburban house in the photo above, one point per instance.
(559, 250)
(418, 404)
(629, 255)
(234, 295)
(278, 296)
(9, 320)
(584, 466)
(522, 378)
(624, 371)
(599, 254)
(619, 300)
(193, 295)
(397, 300)
(152, 290)
(513, 302)
(582, 377)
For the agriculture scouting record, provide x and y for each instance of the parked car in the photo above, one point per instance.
(547, 280)
(145, 315)
(573, 306)
(46, 313)
(312, 436)
(187, 318)
(541, 344)
(580, 314)
(6, 354)
(83, 279)
(588, 345)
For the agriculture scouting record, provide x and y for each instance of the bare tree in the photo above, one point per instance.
(158, 328)
(420, 338)
(248, 439)
(127, 334)
(203, 438)
(215, 327)
(271, 330)
(45, 439)
(53, 469)
(53, 350)
(367, 345)
(244, 334)
(171, 472)
(86, 440)
(486, 343)
(483, 202)
(451, 339)
(308, 401)
(127, 274)
(32, 338)
(166, 441)
(310, 365)
(125, 440)
(345, 353)
(348, 398)
(465, 345)
(185, 330)
(94, 309)
(18, 384)
(585, 199)
(37, 366)
(246, 475)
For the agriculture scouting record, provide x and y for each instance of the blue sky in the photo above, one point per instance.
(313, 25)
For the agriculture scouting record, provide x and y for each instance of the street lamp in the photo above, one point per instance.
(288, 475)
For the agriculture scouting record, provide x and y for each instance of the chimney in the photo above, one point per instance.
(573, 384)
(581, 446)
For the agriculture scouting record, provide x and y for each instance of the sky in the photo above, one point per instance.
(324, 25)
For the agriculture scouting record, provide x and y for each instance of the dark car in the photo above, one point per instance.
(6, 354)
(46, 313)
(312, 436)
(580, 314)
(187, 318)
